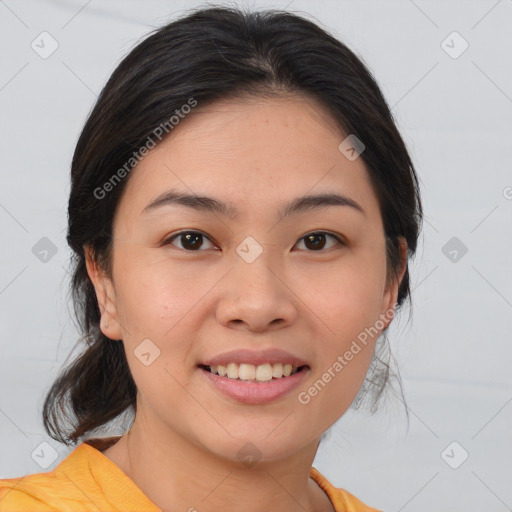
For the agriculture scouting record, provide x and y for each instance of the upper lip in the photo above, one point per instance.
(255, 357)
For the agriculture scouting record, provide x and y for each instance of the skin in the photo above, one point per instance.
(256, 154)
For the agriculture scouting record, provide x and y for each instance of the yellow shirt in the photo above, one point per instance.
(88, 481)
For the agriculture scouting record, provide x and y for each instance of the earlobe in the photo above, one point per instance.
(105, 295)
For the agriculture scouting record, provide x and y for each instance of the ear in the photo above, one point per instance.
(106, 296)
(391, 293)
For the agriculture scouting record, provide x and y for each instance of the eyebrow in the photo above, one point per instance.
(211, 205)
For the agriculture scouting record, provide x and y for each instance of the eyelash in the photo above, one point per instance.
(169, 240)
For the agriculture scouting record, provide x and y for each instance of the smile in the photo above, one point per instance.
(261, 372)
(252, 391)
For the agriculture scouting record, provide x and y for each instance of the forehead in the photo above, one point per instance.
(250, 153)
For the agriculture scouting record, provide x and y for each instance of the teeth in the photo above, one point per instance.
(264, 372)
(232, 371)
(277, 370)
(261, 372)
(247, 372)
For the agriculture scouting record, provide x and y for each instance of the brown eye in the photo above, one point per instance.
(317, 241)
(190, 240)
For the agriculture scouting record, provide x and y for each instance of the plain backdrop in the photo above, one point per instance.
(445, 69)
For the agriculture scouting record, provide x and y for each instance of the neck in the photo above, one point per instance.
(177, 474)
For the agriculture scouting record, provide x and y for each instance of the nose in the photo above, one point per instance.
(256, 297)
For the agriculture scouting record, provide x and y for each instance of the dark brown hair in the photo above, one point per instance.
(210, 54)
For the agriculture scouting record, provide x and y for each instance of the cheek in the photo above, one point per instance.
(348, 302)
(348, 297)
(158, 302)
(153, 294)
(155, 308)
(333, 391)
(347, 348)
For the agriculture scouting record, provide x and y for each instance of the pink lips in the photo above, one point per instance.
(256, 393)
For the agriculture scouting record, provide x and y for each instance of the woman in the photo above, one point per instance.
(242, 213)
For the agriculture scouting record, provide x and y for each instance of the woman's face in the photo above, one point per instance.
(255, 280)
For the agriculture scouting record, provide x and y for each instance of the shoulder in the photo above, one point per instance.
(85, 481)
(341, 499)
(30, 492)
(353, 504)
(60, 489)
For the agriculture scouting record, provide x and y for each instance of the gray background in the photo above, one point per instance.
(454, 112)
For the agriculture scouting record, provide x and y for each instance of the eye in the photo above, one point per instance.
(190, 240)
(316, 240)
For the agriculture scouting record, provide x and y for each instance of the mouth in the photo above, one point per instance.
(254, 384)
(254, 373)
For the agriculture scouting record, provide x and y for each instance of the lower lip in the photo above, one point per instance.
(256, 393)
